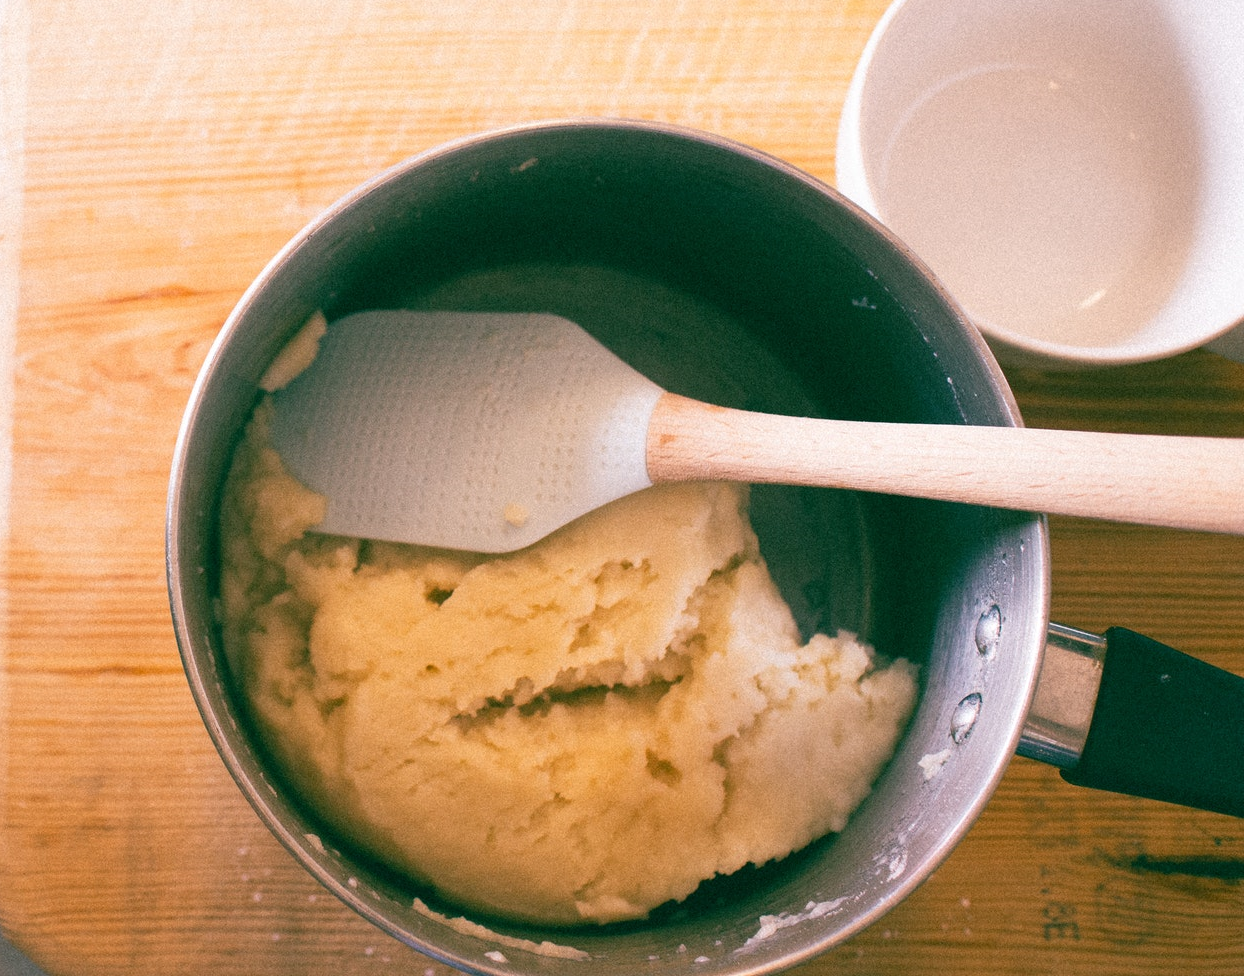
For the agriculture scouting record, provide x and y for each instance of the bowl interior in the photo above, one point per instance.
(727, 276)
(1070, 172)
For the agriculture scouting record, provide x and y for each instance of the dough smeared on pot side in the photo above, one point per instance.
(576, 732)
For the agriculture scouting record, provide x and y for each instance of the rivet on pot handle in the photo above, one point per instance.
(1127, 714)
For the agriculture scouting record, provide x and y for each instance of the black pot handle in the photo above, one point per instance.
(1162, 725)
(1166, 726)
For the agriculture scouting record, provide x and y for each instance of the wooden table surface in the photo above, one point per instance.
(155, 154)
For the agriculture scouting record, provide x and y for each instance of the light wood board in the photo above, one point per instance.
(156, 153)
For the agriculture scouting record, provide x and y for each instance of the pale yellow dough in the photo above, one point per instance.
(577, 732)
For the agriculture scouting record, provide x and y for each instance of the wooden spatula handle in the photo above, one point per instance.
(1180, 482)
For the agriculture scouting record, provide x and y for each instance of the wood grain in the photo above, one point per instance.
(1133, 478)
(167, 150)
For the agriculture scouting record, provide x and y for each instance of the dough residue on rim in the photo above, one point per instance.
(467, 927)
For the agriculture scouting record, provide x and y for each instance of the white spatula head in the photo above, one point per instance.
(479, 431)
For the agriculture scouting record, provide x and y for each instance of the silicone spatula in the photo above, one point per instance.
(488, 431)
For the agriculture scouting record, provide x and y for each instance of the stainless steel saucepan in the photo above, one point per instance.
(725, 275)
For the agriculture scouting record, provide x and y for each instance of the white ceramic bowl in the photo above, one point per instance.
(1074, 173)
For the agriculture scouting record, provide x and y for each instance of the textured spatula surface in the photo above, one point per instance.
(480, 431)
